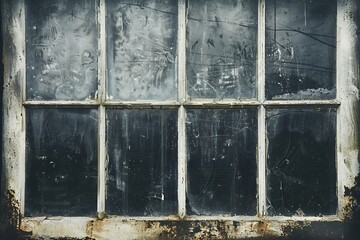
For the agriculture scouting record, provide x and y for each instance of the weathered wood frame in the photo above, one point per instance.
(14, 105)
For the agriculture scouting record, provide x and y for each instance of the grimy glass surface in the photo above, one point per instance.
(221, 49)
(61, 162)
(61, 50)
(300, 49)
(301, 173)
(142, 169)
(142, 49)
(221, 164)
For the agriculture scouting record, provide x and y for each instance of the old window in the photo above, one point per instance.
(132, 116)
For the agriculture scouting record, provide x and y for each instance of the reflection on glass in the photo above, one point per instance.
(221, 165)
(61, 50)
(300, 49)
(61, 162)
(141, 49)
(221, 49)
(142, 175)
(301, 170)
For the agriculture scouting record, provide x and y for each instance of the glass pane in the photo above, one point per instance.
(221, 165)
(142, 49)
(142, 175)
(222, 48)
(61, 50)
(300, 49)
(301, 171)
(61, 163)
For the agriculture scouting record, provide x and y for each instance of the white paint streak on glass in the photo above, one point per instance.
(142, 149)
(300, 49)
(221, 164)
(142, 49)
(61, 50)
(222, 49)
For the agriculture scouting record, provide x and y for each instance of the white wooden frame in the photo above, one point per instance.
(14, 105)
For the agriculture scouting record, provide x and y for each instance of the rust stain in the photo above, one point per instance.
(9, 215)
(89, 228)
(349, 206)
(261, 227)
(352, 198)
(209, 229)
(193, 230)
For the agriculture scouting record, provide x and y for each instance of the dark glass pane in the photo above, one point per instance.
(222, 48)
(142, 175)
(61, 49)
(301, 171)
(61, 163)
(300, 49)
(142, 49)
(221, 165)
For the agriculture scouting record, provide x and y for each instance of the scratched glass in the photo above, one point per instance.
(61, 162)
(221, 49)
(142, 150)
(142, 49)
(301, 171)
(300, 49)
(221, 164)
(61, 50)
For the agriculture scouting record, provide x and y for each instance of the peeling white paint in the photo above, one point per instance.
(261, 149)
(181, 113)
(347, 94)
(13, 113)
(102, 166)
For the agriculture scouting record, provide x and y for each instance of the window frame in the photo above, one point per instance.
(14, 122)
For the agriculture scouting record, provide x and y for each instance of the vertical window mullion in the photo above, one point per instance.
(347, 130)
(22, 163)
(261, 111)
(181, 113)
(102, 113)
(14, 77)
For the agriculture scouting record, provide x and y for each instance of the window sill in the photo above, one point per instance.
(172, 227)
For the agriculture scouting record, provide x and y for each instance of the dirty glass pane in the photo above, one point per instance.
(61, 50)
(141, 49)
(142, 170)
(61, 162)
(221, 165)
(301, 172)
(221, 49)
(300, 49)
